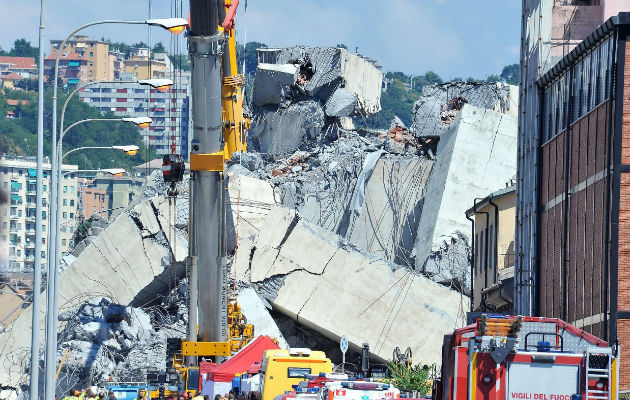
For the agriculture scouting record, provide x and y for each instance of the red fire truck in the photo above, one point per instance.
(526, 358)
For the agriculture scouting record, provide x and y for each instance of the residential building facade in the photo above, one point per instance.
(169, 111)
(22, 66)
(119, 191)
(492, 219)
(18, 176)
(95, 53)
(91, 200)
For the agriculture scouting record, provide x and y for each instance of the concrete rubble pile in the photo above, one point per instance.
(438, 105)
(302, 95)
(104, 340)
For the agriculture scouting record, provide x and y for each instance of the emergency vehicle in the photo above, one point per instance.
(526, 358)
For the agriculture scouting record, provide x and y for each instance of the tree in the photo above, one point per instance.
(493, 78)
(410, 378)
(23, 48)
(511, 74)
(250, 55)
(341, 46)
(432, 78)
(159, 48)
(457, 79)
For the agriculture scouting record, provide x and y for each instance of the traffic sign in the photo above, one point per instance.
(343, 344)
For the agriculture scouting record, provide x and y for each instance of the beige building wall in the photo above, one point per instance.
(486, 271)
(17, 219)
(141, 69)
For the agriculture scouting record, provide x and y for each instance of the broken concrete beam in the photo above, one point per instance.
(272, 82)
(337, 290)
(438, 105)
(342, 103)
(256, 313)
(282, 131)
(324, 69)
(474, 157)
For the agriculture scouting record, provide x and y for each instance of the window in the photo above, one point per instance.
(63, 228)
(65, 215)
(18, 252)
(43, 254)
(65, 202)
(72, 201)
(91, 54)
(294, 372)
(71, 190)
(44, 187)
(65, 189)
(19, 213)
(71, 229)
(63, 242)
(4, 225)
(71, 215)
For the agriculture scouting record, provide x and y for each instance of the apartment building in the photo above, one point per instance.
(492, 221)
(73, 69)
(170, 111)
(119, 192)
(18, 176)
(91, 200)
(143, 67)
(94, 52)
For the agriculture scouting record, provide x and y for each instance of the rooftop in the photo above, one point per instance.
(19, 62)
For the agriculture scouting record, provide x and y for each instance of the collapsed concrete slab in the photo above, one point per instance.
(475, 155)
(322, 282)
(300, 93)
(273, 82)
(323, 69)
(129, 262)
(438, 105)
(257, 314)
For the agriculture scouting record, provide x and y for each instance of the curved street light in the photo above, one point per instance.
(130, 150)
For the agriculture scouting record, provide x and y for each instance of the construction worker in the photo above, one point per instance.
(198, 396)
(74, 396)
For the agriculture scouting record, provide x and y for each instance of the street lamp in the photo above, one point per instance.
(130, 150)
(117, 172)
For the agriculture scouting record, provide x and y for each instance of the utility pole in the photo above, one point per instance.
(37, 266)
(207, 252)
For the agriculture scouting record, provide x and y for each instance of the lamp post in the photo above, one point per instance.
(37, 265)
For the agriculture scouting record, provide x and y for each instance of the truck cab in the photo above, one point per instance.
(281, 369)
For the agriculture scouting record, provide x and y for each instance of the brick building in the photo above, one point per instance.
(583, 248)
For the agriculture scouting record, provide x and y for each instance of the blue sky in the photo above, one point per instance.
(455, 38)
